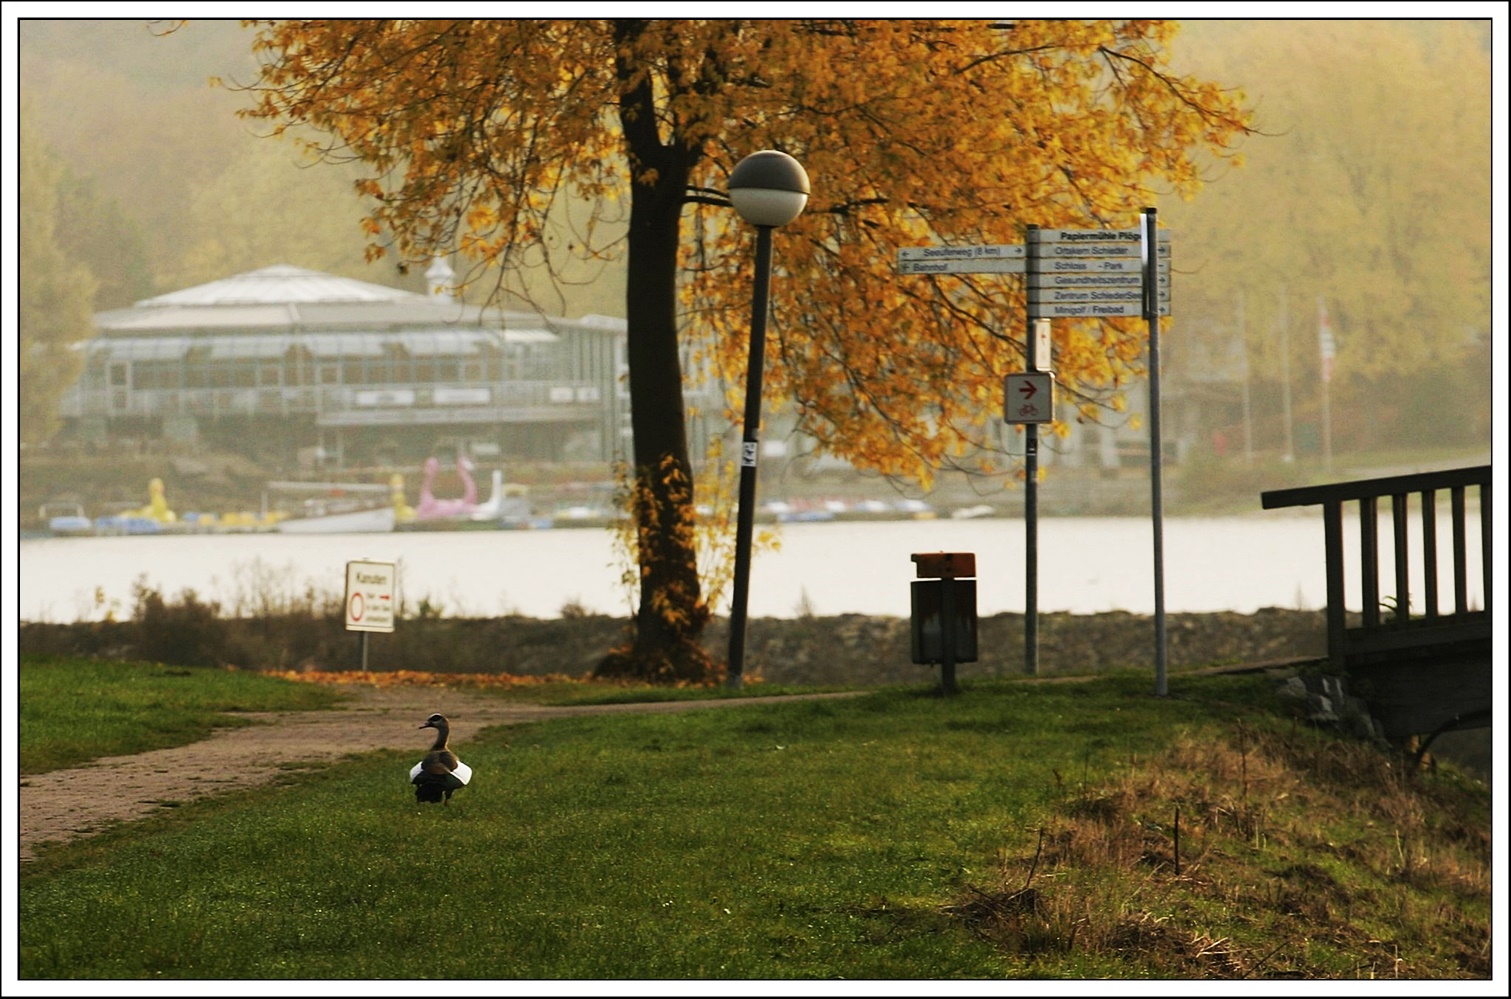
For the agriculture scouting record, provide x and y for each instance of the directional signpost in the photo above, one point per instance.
(1070, 274)
(1090, 273)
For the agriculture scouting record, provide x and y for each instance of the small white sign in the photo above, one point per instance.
(1133, 236)
(1093, 251)
(1098, 294)
(370, 596)
(1043, 346)
(981, 265)
(1030, 397)
(1091, 310)
(960, 252)
(1086, 279)
(461, 397)
(384, 397)
(1102, 265)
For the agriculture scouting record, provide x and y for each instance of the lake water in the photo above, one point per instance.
(1086, 565)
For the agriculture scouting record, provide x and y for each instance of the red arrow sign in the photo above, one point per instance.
(1020, 393)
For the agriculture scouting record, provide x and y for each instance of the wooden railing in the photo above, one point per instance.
(1397, 628)
(1428, 671)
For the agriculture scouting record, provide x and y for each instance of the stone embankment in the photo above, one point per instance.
(847, 649)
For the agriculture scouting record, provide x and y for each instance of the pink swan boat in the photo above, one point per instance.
(431, 508)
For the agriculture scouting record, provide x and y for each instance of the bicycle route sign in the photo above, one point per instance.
(1030, 397)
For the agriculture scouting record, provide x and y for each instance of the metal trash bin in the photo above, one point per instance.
(943, 628)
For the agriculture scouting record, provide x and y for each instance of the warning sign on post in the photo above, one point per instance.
(370, 596)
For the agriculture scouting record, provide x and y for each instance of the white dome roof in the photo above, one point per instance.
(281, 284)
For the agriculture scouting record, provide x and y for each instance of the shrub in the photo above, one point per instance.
(186, 633)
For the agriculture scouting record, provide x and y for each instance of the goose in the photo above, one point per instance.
(440, 773)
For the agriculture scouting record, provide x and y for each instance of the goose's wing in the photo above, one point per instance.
(441, 767)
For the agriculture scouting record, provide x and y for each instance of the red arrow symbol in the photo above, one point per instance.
(1029, 390)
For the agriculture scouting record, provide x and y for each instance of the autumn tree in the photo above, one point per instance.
(911, 132)
(54, 293)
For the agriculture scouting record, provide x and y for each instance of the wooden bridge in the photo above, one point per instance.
(1421, 673)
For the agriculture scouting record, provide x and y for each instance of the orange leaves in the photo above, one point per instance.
(949, 134)
(419, 678)
(912, 132)
(446, 113)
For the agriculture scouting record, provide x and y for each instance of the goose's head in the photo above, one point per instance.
(436, 721)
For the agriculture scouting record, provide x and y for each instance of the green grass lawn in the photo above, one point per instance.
(71, 710)
(1017, 830)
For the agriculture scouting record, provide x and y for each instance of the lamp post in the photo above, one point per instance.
(768, 189)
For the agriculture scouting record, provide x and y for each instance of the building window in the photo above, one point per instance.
(156, 375)
(299, 365)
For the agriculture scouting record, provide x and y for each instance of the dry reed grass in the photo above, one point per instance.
(1265, 853)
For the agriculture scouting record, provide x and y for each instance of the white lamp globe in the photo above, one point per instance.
(768, 188)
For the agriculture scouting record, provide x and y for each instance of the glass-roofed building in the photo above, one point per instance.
(283, 360)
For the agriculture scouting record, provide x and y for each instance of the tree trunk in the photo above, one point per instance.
(672, 613)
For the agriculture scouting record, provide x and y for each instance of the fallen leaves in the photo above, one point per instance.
(421, 678)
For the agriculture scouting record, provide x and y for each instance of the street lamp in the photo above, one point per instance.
(768, 189)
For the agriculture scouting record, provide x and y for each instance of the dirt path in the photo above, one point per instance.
(64, 805)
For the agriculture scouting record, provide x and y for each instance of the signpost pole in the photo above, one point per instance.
(370, 599)
(1326, 346)
(1031, 484)
(1156, 459)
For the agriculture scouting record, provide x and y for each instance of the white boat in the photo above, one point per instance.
(494, 508)
(379, 520)
(65, 520)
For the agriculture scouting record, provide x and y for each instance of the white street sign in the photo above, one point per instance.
(1102, 265)
(370, 596)
(1038, 296)
(1029, 397)
(1084, 279)
(1102, 310)
(983, 265)
(1051, 251)
(960, 252)
(1134, 236)
(1077, 273)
